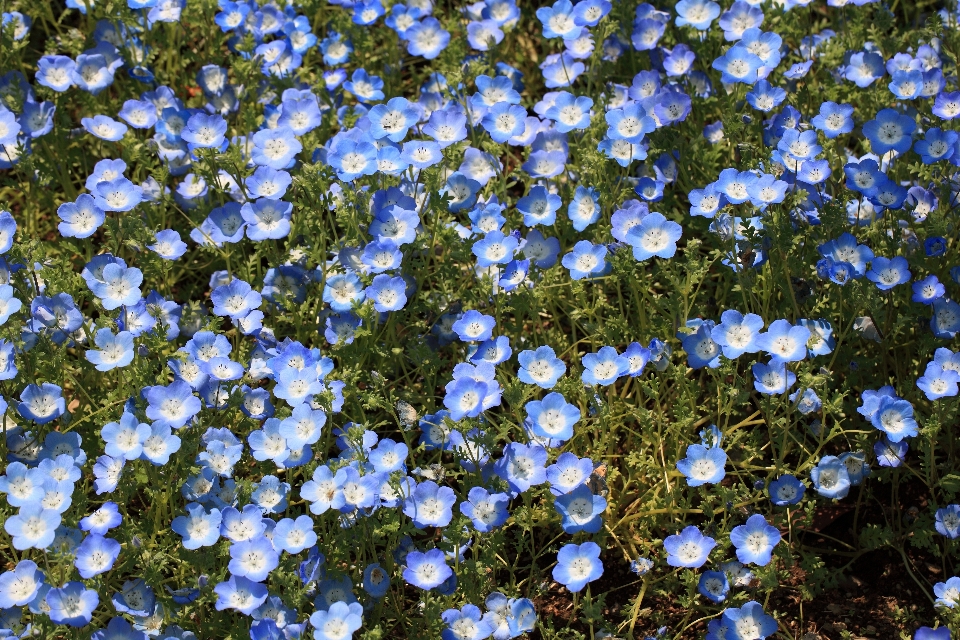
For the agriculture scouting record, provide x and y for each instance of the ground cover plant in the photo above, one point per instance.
(376, 319)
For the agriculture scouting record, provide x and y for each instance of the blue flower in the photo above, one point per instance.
(72, 604)
(376, 581)
(706, 202)
(446, 126)
(588, 13)
(55, 72)
(465, 624)
(541, 367)
(486, 510)
(388, 293)
(426, 38)
(945, 322)
(267, 219)
(267, 443)
(907, 84)
(495, 351)
(570, 112)
(738, 64)
(558, 20)
(702, 350)
(239, 526)
(19, 586)
(303, 427)
(342, 291)
(947, 521)
(359, 492)
(33, 527)
(241, 594)
(173, 405)
(577, 565)
(22, 485)
(115, 350)
(9, 130)
(846, 249)
(117, 195)
(834, 119)
(889, 131)
(430, 505)
(748, 622)
(714, 586)
(480, 34)
(784, 341)
(339, 621)
(890, 454)
(737, 333)
(522, 466)
(392, 120)
(894, 417)
(650, 189)
(495, 248)
(948, 593)
(199, 528)
(266, 182)
(235, 299)
(703, 465)
(254, 558)
(647, 33)
(553, 417)
(426, 570)
(581, 510)
(772, 378)
(937, 382)
(689, 548)
(102, 520)
(604, 367)
(946, 105)
(584, 209)
(167, 245)
(474, 326)
(92, 72)
(42, 403)
(205, 131)
(765, 97)
(831, 478)
(125, 439)
(755, 540)
(546, 164)
(586, 260)
(654, 236)
(786, 491)
(95, 555)
(568, 473)
(421, 153)
(936, 145)
(504, 121)
(8, 304)
(514, 274)
(139, 114)
(561, 70)
(807, 403)
(864, 68)
(275, 148)
(104, 127)
(926, 633)
(118, 286)
(699, 14)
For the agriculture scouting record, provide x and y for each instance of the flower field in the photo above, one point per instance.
(369, 319)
